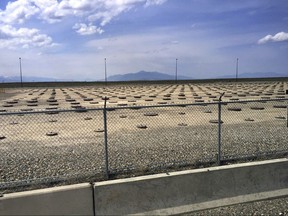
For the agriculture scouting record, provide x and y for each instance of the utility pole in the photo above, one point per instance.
(20, 64)
(237, 69)
(176, 71)
(105, 72)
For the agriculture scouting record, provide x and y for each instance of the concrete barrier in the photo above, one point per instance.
(170, 193)
(64, 200)
(186, 191)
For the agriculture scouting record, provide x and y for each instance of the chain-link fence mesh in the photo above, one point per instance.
(254, 129)
(149, 138)
(55, 146)
(51, 146)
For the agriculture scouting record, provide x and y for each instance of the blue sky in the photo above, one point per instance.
(69, 39)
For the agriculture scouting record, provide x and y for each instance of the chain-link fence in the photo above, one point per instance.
(254, 129)
(50, 147)
(59, 146)
(150, 138)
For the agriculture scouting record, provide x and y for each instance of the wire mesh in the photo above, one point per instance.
(144, 139)
(50, 146)
(254, 129)
(42, 144)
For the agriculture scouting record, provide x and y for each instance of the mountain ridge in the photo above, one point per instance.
(141, 76)
(7, 79)
(145, 75)
(255, 75)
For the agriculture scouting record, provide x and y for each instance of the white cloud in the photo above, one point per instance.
(154, 2)
(281, 36)
(112, 11)
(88, 16)
(83, 29)
(18, 12)
(11, 37)
(51, 11)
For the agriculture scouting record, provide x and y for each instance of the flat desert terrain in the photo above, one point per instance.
(57, 133)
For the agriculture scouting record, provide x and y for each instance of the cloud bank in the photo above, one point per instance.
(23, 37)
(83, 29)
(281, 36)
(91, 17)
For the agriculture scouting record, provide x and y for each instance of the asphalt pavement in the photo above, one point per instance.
(270, 207)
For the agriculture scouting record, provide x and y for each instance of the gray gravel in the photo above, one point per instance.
(157, 148)
(143, 151)
(27, 154)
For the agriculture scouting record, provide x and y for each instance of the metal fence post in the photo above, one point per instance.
(287, 109)
(219, 129)
(287, 114)
(106, 139)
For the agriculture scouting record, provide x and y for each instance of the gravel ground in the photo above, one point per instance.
(275, 207)
(175, 137)
(7, 95)
(148, 150)
(181, 139)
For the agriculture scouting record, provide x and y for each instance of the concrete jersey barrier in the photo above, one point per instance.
(186, 191)
(64, 200)
(170, 193)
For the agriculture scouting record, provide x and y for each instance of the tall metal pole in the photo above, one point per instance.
(219, 155)
(287, 110)
(237, 69)
(287, 113)
(105, 72)
(106, 138)
(21, 72)
(176, 71)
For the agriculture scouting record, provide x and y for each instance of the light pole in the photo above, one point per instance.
(20, 64)
(237, 69)
(105, 72)
(176, 71)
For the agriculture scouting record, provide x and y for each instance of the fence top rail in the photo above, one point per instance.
(254, 101)
(18, 112)
(139, 107)
(195, 104)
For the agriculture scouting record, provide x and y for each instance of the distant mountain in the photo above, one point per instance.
(6, 79)
(256, 75)
(144, 75)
